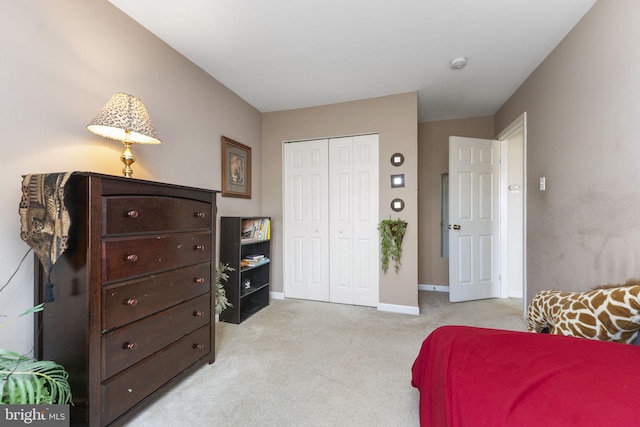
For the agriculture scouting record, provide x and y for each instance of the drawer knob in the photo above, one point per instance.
(199, 214)
(130, 346)
(198, 248)
(198, 279)
(198, 313)
(132, 302)
(198, 346)
(132, 258)
(131, 214)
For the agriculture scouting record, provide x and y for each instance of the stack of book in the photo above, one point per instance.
(256, 229)
(253, 260)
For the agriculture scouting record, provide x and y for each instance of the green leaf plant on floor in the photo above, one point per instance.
(25, 380)
(392, 233)
(221, 294)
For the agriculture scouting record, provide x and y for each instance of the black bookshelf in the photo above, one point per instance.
(248, 286)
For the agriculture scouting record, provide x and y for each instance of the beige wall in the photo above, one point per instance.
(61, 62)
(395, 119)
(433, 155)
(583, 114)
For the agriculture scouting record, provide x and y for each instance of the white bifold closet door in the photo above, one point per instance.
(331, 243)
(306, 220)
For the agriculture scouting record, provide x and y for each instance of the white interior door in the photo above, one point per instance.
(353, 218)
(474, 234)
(306, 218)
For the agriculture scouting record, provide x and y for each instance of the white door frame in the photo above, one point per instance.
(519, 124)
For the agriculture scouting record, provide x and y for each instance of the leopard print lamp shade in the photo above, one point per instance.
(124, 118)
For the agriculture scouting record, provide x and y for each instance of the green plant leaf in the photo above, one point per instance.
(26, 380)
(392, 233)
(222, 302)
(39, 307)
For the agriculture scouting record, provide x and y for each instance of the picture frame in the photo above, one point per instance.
(236, 169)
(397, 181)
(397, 159)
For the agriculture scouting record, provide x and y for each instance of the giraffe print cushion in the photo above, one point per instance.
(610, 313)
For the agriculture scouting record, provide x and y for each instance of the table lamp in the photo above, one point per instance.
(125, 119)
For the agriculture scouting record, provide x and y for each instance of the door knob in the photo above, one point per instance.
(456, 227)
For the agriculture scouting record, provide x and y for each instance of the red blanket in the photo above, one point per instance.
(476, 377)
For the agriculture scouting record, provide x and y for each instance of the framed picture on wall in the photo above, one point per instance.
(236, 169)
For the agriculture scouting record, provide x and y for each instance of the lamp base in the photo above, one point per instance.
(128, 159)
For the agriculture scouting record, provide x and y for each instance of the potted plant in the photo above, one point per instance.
(221, 294)
(391, 234)
(25, 380)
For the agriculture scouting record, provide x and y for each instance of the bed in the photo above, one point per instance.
(469, 376)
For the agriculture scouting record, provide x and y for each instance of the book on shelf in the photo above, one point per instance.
(253, 262)
(255, 230)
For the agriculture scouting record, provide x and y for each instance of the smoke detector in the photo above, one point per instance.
(458, 63)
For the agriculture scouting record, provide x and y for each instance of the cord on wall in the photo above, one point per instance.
(16, 271)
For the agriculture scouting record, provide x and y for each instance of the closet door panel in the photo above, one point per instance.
(341, 220)
(306, 243)
(366, 217)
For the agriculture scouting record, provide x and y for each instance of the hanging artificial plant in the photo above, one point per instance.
(391, 234)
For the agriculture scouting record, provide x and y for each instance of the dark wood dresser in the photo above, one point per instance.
(133, 293)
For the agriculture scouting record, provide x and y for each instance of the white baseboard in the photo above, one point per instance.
(403, 309)
(276, 295)
(437, 288)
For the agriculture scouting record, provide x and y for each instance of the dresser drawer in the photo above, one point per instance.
(134, 256)
(128, 345)
(125, 302)
(140, 214)
(131, 386)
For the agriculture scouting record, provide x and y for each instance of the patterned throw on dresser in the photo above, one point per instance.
(44, 219)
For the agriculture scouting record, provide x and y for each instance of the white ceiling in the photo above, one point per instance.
(285, 54)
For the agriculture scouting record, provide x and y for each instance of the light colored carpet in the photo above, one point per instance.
(304, 363)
